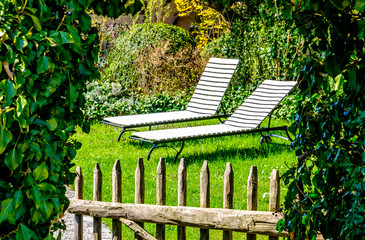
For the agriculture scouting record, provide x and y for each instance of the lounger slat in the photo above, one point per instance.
(199, 111)
(260, 102)
(206, 97)
(219, 70)
(203, 101)
(244, 121)
(214, 84)
(264, 90)
(259, 106)
(261, 98)
(212, 79)
(216, 75)
(210, 88)
(223, 61)
(244, 113)
(208, 93)
(272, 95)
(279, 83)
(202, 106)
(221, 66)
(271, 87)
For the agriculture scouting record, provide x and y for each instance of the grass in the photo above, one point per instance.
(243, 151)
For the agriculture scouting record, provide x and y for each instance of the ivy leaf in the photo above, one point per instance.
(46, 209)
(65, 37)
(40, 173)
(36, 215)
(18, 198)
(7, 211)
(360, 5)
(5, 138)
(20, 42)
(72, 96)
(36, 22)
(25, 233)
(341, 4)
(52, 124)
(85, 22)
(9, 89)
(361, 29)
(20, 105)
(35, 195)
(13, 159)
(43, 64)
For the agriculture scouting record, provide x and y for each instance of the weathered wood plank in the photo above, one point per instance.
(139, 188)
(97, 196)
(228, 195)
(181, 194)
(252, 187)
(137, 229)
(274, 202)
(117, 198)
(79, 194)
(256, 222)
(161, 195)
(204, 195)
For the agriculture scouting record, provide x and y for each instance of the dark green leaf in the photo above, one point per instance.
(13, 159)
(52, 124)
(65, 38)
(20, 105)
(35, 196)
(18, 198)
(360, 5)
(40, 173)
(25, 233)
(20, 42)
(5, 138)
(36, 22)
(46, 209)
(361, 29)
(43, 64)
(7, 211)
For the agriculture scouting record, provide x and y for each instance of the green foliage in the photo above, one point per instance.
(51, 48)
(105, 99)
(329, 115)
(120, 61)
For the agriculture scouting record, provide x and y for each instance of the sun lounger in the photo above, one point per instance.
(246, 119)
(204, 104)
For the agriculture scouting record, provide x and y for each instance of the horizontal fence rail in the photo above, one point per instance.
(134, 215)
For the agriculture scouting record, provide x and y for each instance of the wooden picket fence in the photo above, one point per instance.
(134, 215)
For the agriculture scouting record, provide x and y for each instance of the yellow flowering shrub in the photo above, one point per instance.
(210, 23)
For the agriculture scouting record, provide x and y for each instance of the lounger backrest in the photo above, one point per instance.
(259, 104)
(212, 86)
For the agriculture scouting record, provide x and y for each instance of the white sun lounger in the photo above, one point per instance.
(204, 104)
(246, 119)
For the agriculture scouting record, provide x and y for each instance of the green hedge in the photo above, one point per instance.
(120, 59)
(51, 49)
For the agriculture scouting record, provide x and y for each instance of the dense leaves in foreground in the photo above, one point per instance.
(328, 123)
(51, 48)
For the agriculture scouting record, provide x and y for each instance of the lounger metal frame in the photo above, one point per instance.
(204, 104)
(239, 119)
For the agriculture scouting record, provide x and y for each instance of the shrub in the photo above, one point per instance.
(120, 61)
(104, 99)
(51, 49)
(163, 70)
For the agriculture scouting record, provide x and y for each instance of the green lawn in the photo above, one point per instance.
(101, 146)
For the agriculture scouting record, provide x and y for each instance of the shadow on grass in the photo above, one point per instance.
(243, 154)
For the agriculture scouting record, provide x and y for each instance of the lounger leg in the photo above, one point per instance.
(151, 150)
(178, 153)
(121, 133)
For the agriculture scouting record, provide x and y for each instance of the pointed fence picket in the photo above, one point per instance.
(251, 221)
